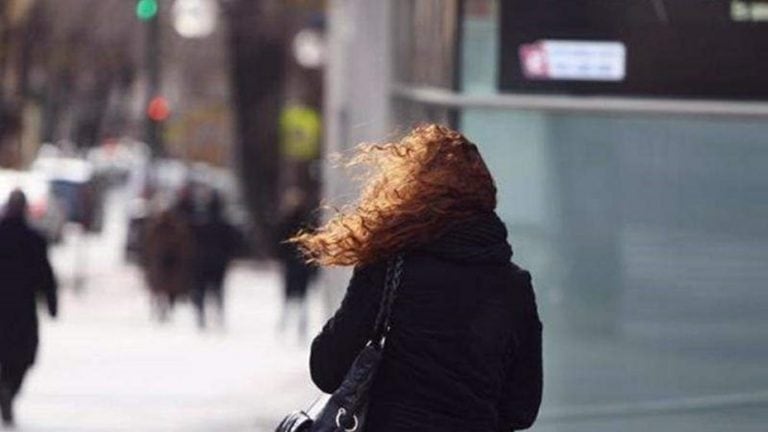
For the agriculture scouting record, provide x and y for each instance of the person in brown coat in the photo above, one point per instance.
(168, 260)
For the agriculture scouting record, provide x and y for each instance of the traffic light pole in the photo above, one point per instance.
(152, 128)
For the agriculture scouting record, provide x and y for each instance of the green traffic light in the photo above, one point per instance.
(146, 9)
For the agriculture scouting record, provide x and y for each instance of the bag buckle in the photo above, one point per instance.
(342, 412)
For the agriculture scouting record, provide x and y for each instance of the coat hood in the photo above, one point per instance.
(479, 240)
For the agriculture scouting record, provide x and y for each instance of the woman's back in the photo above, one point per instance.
(464, 349)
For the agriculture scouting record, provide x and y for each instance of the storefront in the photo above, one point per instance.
(642, 219)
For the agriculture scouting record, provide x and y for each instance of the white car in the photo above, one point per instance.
(76, 186)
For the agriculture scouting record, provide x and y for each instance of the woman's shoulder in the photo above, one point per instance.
(372, 273)
(371, 268)
(519, 273)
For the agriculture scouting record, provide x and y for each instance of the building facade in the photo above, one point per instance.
(643, 221)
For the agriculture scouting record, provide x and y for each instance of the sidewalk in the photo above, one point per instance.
(104, 366)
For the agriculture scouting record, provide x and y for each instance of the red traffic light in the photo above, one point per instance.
(158, 109)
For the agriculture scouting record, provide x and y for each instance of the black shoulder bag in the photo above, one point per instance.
(346, 408)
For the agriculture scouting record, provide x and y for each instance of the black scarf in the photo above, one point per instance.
(482, 239)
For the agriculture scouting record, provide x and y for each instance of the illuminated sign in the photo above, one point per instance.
(684, 49)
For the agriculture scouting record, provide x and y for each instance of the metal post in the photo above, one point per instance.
(153, 129)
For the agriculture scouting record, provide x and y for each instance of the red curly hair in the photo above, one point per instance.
(413, 190)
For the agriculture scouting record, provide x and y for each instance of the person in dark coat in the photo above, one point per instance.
(296, 214)
(464, 350)
(216, 245)
(26, 274)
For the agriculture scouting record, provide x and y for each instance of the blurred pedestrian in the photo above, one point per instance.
(10, 134)
(168, 260)
(296, 213)
(216, 243)
(26, 273)
(463, 346)
(186, 205)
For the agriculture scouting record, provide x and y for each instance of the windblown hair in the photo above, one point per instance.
(413, 190)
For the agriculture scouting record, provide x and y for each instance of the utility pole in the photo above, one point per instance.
(148, 12)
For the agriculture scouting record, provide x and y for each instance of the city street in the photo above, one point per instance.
(623, 145)
(105, 366)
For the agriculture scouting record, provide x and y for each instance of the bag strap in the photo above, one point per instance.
(353, 392)
(394, 275)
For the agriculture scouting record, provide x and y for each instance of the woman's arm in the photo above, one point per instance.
(521, 396)
(346, 333)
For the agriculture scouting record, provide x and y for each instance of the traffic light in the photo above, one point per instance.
(146, 9)
(158, 109)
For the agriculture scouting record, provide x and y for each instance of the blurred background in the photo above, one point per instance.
(628, 141)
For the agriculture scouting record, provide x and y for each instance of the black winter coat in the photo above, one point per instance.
(26, 273)
(217, 244)
(464, 350)
(296, 272)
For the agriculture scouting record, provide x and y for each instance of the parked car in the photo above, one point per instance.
(115, 159)
(72, 181)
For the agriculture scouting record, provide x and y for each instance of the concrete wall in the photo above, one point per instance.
(357, 103)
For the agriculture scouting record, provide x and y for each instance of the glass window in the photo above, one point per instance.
(479, 47)
(647, 237)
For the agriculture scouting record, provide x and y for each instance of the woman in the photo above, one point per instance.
(464, 349)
